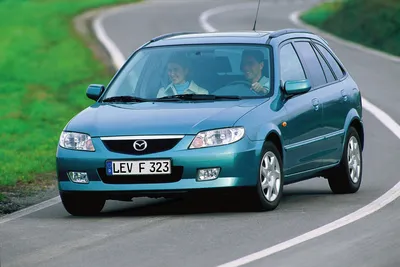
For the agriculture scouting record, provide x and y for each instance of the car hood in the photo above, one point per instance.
(159, 117)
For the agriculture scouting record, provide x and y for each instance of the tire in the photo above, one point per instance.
(347, 176)
(260, 196)
(82, 204)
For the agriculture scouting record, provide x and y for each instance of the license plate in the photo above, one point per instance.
(138, 167)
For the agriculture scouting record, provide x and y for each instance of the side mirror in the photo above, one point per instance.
(94, 91)
(297, 87)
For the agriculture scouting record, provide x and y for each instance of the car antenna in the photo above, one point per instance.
(255, 21)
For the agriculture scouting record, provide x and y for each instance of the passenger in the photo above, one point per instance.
(178, 70)
(252, 66)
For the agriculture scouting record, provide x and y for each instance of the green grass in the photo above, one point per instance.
(374, 23)
(45, 70)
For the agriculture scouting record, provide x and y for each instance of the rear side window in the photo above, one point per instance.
(332, 62)
(290, 65)
(328, 73)
(311, 60)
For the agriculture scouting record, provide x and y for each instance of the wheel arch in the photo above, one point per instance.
(274, 137)
(357, 124)
(354, 120)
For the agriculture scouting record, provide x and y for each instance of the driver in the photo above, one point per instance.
(252, 65)
(178, 70)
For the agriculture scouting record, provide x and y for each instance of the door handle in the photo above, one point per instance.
(315, 103)
(344, 95)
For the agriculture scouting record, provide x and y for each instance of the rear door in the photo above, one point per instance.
(332, 97)
(337, 100)
(304, 120)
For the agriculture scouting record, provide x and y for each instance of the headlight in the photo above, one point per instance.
(77, 141)
(217, 137)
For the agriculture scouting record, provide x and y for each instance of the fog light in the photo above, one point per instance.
(208, 174)
(78, 177)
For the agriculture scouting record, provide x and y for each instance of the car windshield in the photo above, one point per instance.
(182, 72)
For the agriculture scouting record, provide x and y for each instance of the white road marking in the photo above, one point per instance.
(117, 57)
(203, 19)
(29, 210)
(374, 206)
(391, 195)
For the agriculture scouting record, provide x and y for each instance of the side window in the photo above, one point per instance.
(311, 60)
(335, 66)
(290, 65)
(328, 73)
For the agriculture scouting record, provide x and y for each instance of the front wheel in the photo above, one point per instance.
(82, 204)
(268, 192)
(346, 177)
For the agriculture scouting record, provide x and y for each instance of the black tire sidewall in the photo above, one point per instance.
(79, 204)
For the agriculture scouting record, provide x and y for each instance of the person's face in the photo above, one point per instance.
(251, 68)
(176, 73)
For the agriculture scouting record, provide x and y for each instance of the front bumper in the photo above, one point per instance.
(238, 162)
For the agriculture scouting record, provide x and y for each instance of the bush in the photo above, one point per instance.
(374, 23)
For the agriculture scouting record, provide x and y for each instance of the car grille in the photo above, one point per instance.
(176, 175)
(153, 145)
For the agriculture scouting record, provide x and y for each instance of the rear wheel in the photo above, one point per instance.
(82, 204)
(346, 177)
(268, 192)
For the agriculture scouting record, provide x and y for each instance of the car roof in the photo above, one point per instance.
(244, 37)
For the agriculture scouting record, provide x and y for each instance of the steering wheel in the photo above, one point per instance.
(244, 83)
(239, 82)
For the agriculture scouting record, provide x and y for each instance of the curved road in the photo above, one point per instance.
(160, 233)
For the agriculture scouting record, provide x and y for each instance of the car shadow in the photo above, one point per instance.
(179, 206)
(221, 205)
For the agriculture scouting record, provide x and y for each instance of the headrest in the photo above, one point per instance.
(222, 64)
(213, 64)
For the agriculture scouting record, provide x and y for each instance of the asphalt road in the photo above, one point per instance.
(161, 233)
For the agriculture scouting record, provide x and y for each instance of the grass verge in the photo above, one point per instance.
(373, 23)
(45, 71)
(45, 68)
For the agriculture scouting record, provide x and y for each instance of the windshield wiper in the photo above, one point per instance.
(198, 97)
(124, 98)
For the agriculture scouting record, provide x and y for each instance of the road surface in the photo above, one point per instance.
(175, 233)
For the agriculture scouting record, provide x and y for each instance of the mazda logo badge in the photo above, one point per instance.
(140, 145)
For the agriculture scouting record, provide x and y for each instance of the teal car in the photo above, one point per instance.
(204, 112)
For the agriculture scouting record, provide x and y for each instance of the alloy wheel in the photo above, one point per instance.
(270, 176)
(354, 159)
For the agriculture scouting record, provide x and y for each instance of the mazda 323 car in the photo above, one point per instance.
(250, 111)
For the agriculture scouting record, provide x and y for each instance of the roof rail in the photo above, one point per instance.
(287, 31)
(160, 37)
